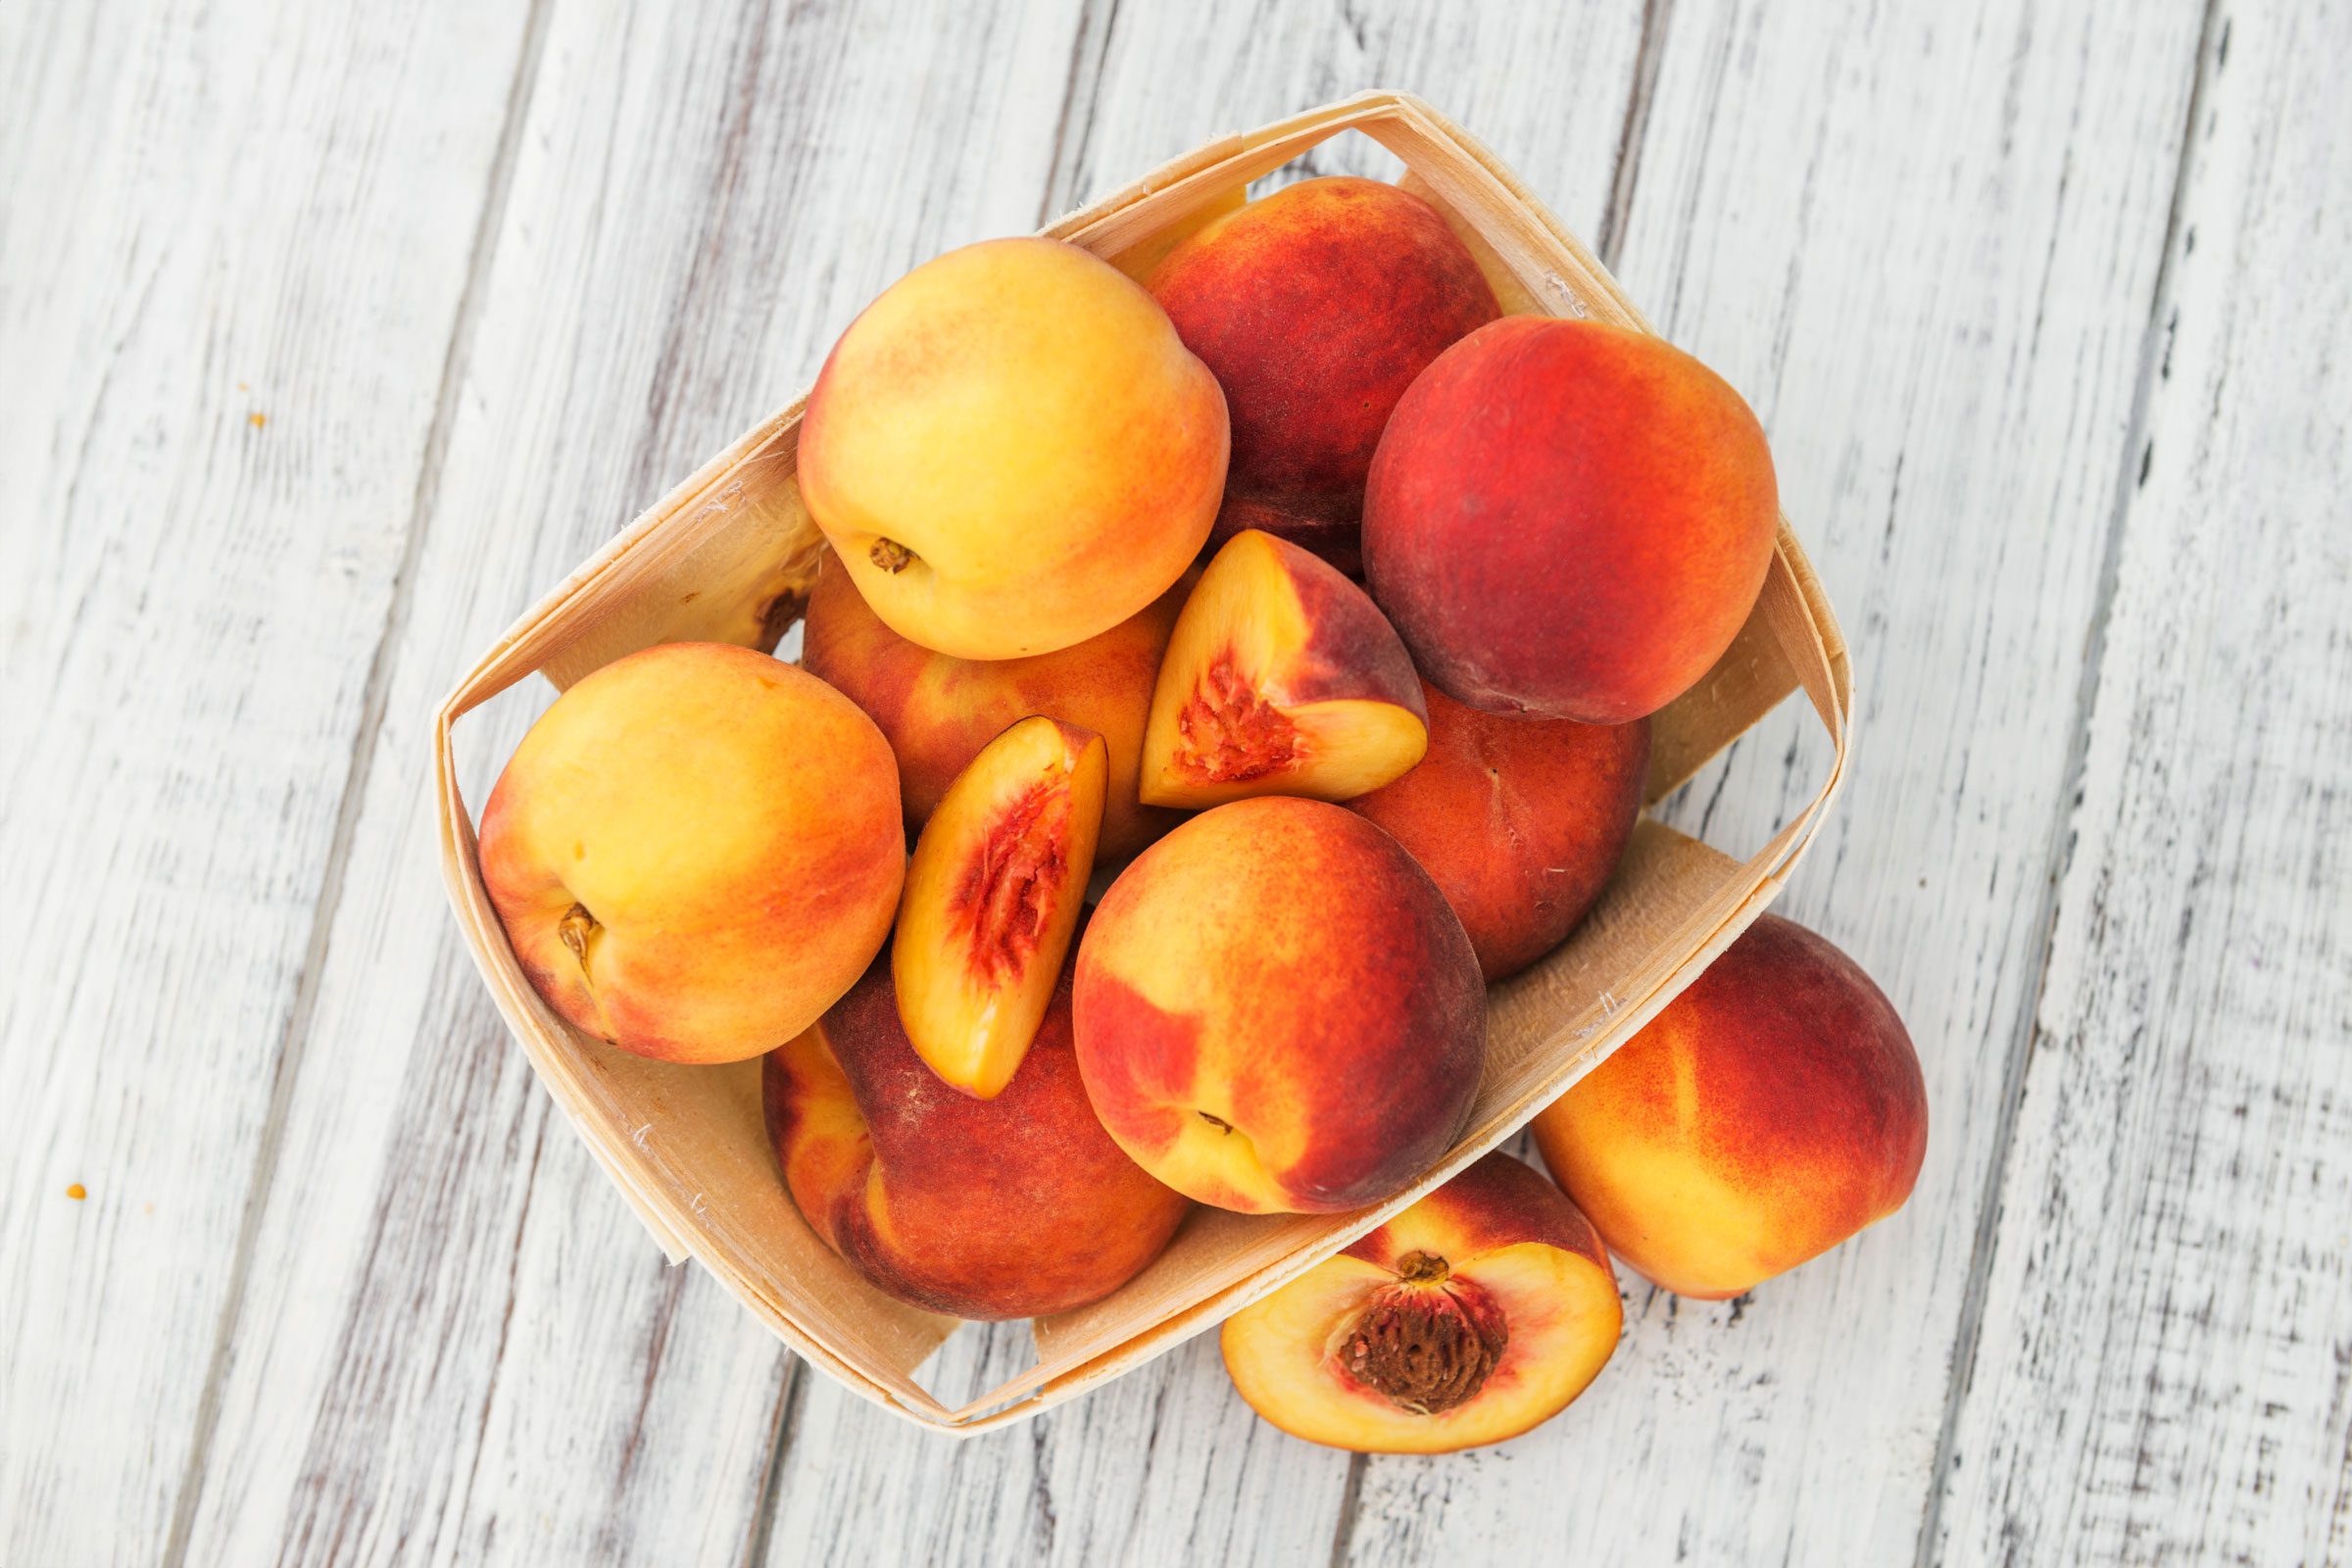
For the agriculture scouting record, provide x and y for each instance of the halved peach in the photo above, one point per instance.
(992, 896)
(1476, 1314)
(1281, 678)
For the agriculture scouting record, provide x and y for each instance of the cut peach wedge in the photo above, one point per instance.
(1281, 678)
(993, 894)
(1476, 1314)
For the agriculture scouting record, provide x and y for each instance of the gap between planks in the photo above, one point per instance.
(2060, 832)
(294, 1042)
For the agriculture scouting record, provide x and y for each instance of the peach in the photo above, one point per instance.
(1011, 449)
(1278, 1012)
(696, 850)
(1476, 1314)
(1014, 1206)
(1316, 307)
(1281, 677)
(1770, 1112)
(992, 896)
(1520, 822)
(938, 711)
(1569, 519)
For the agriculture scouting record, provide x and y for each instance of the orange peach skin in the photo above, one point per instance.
(1520, 822)
(1569, 519)
(1772, 1111)
(1316, 307)
(983, 1208)
(1012, 451)
(939, 711)
(696, 850)
(1278, 1012)
(1497, 1253)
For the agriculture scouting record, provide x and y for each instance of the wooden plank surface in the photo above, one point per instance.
(491, 1359)
(234, 245)
(2170, 1290)
(1924, 247)
(2062, 430)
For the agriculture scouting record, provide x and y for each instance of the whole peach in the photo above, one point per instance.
(1316, 307)
(1277, 1012)
(1011, 449)
(1770, 1112)
(696, 850)
(1521, 822)
(938, 711)
(1013, 1207)
(1569, 519)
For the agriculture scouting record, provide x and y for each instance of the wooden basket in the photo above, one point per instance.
(730, 553)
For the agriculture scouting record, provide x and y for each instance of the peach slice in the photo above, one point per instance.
(992, 896)
(1281, 678)
(1476, 1314)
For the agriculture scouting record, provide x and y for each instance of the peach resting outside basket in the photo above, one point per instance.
(729, 555)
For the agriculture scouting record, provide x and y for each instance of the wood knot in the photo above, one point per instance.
(1425, 1348)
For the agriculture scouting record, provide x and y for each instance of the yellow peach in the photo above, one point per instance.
(696, 850)
(1011, 449)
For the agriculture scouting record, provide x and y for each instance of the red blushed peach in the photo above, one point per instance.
(1315, 307)
(1569, 519)
(696, 850)
(1278, 1012)
(1012, 451)
(1281, 677)
(1768, 1112)
(938, 711)
(992, 896)
(1476, 1314)
(1520, 822)
(1014, 1206)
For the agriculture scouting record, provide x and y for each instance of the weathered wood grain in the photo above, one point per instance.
(1924, 243)
(1167, 1464)
(233, 245)
(2165, 1367)
(494, 277)
(458, 1345)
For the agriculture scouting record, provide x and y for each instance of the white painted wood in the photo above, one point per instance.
(233, 244)
(512, 271)
(1923, 241)
(1167, 1464)
(2165, 1372)
(458, 1345)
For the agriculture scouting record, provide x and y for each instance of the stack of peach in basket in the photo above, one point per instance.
(1313, 612)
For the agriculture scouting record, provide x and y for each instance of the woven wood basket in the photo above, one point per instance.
(730, 554)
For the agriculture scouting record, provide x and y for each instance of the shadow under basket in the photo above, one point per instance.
(730, 556)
